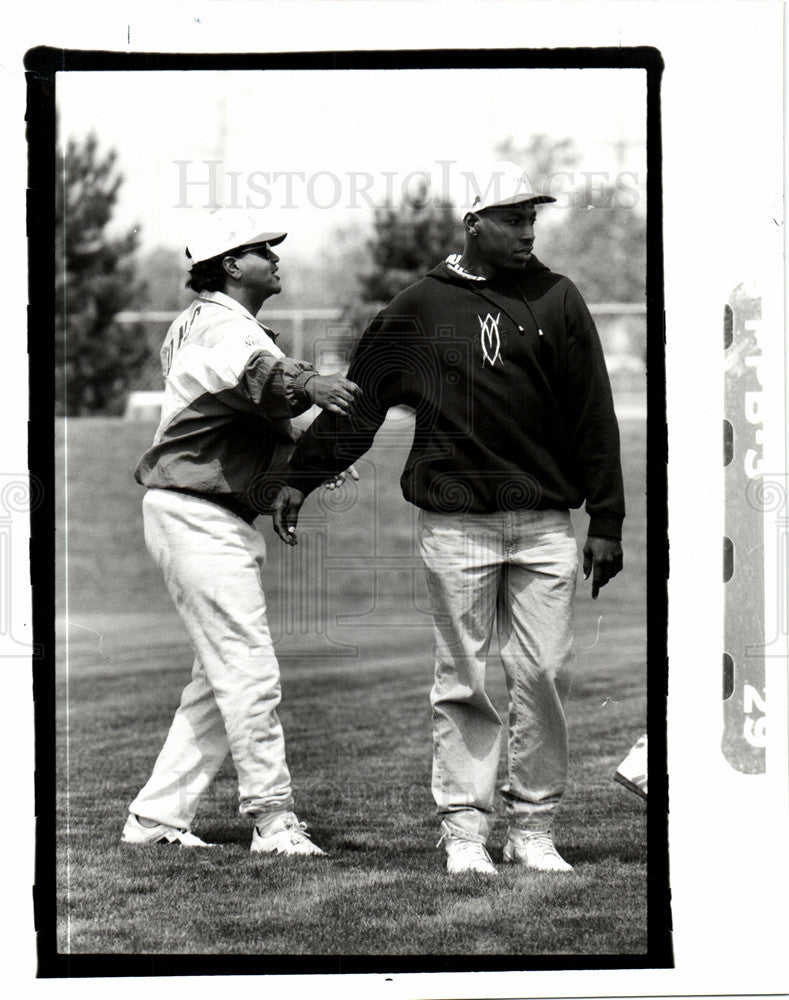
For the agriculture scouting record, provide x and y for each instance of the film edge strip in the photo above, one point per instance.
(744, 737)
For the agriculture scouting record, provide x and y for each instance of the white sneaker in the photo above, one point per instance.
(135, 833)
(466, 855)
(632, 772)
(284, 835)
(534, 850)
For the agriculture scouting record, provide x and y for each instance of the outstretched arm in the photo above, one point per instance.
(335, 440)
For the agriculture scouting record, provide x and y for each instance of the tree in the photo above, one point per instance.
(545, 159)
(163, 271)
(407, 241)
(596, 233)
(95, 279)
(601, 246)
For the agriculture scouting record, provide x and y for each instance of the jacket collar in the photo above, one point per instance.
(221, 299)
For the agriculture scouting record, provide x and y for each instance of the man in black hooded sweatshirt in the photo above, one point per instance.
(515, 425)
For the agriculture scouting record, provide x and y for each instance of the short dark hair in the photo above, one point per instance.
(208, 275)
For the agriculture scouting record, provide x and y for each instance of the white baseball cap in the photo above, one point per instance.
(504, 183)
(226, 229)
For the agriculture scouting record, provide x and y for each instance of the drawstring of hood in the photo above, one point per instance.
(453, 264)
(531, 311)
(497, 305)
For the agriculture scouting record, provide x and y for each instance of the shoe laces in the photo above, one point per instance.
(542, 843)
(469, 850)
(293, 829)
(297, 830)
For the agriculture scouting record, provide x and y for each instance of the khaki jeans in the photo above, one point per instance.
(515, 570)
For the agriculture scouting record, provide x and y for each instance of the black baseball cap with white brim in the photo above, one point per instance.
(504, 184)
(219, 232)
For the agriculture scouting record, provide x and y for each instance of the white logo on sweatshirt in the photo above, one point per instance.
(489, 339)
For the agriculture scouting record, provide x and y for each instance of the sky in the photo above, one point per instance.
(337, 140)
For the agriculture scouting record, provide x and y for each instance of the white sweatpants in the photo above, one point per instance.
(212, 563)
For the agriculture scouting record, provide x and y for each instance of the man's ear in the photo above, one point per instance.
(230, 264)
(471, 223)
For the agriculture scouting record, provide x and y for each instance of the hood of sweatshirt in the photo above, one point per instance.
(516, 285)
(450, 271)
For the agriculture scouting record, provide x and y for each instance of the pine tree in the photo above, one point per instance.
(95, 279)
(408, 240)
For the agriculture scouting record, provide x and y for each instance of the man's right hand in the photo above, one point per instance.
(285, 514)
(334, 393)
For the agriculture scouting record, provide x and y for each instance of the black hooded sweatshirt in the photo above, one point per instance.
(512, 399)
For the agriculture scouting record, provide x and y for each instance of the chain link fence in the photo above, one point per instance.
(321, 336)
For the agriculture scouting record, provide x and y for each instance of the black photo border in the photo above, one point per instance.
(42, 64)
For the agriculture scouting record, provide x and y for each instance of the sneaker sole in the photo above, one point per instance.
(473, 871)
(166, 843)
(288, 854)
(546, 871)
(510, 860)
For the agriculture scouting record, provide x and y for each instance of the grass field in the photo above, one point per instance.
(348, 612)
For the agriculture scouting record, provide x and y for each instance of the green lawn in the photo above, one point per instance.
(348, 612)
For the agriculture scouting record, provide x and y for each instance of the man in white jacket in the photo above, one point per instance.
(225, 428)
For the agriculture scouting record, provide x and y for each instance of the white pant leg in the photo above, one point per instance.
(535, 637)
(463, 556)
(212, 563)
(193, 752)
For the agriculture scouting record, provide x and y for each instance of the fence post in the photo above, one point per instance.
(297, 343)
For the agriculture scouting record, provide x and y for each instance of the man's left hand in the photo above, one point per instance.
(285, 513)
(603, 559)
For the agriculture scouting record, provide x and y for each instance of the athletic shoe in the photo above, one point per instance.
(465, 855)
(284, 835)
(632, 772)
(135, 833)
(534, 850)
